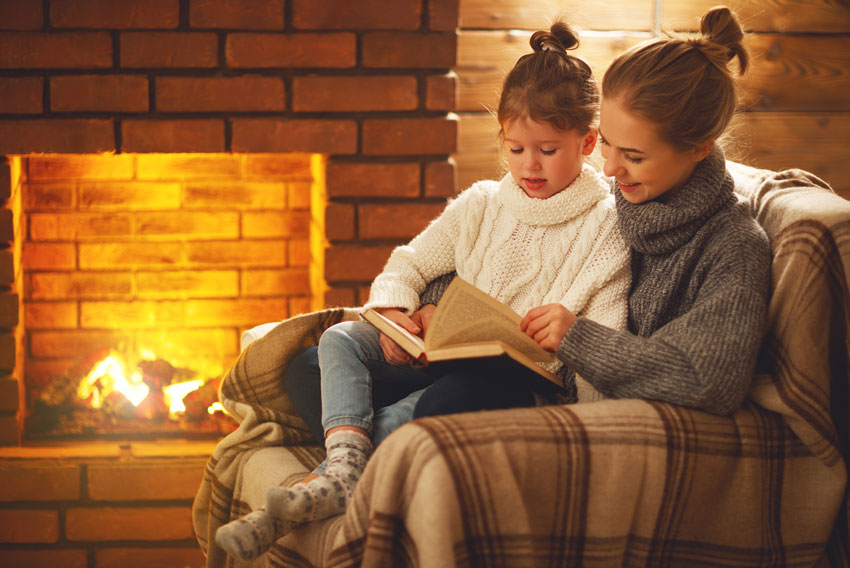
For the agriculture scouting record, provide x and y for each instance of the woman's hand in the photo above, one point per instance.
(547, 325)
(394, 354)
(422, 317)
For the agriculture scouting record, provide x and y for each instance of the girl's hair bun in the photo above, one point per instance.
(722, 38)
(559, 38)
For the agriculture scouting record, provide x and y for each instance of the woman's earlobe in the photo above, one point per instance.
(702, 150)
(589, 142)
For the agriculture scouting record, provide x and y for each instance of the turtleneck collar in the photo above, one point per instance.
(655, 228)
(573, 200)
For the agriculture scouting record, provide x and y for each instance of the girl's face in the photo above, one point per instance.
(544, 160)
(645, 166)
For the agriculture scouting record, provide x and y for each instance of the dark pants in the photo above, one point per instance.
(453, 389)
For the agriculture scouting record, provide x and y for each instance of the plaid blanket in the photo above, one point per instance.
(617, 482)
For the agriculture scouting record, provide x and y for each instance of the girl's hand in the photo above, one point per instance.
(422, 317)
(394, 354)
(547, 325)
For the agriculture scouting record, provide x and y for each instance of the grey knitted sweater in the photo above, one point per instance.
(697, 305)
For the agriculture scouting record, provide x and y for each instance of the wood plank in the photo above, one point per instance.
(538, 14)
(797, 73)
(812, 141)
(484, 57)
(816, 16)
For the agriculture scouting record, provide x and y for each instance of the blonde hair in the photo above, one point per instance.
(550, 85)
(684, 86)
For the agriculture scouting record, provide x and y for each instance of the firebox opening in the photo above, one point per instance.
(144, 269)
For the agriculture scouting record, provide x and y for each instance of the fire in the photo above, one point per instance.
(110, 375)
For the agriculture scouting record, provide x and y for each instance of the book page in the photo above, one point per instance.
(465, 314)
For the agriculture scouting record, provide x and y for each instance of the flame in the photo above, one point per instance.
(110, 375)
(174, 394)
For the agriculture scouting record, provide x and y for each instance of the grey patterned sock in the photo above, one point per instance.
(328, 494)
(252, 535)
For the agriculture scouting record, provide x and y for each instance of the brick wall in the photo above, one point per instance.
(103, 506)
(366, 84)
(174, 254)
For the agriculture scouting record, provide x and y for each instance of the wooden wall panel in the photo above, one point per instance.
(806, 16)
(795, 94)
(538, 14)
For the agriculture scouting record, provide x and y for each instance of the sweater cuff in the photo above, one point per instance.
(582, 341)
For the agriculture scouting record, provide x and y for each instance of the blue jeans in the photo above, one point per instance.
(348, 354)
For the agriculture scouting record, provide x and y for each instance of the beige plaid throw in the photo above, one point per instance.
(618, 482)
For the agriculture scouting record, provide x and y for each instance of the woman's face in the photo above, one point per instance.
(645, 166)
(544, 160)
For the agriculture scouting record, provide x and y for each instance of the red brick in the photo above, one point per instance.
(345, 179)
(403, 50)
(443, 15)
(242, 253)
(299, 195)
(284, 282)
(441, 92)
(300, 305)
(190, 557)
(282, 135)
(20, 95)
(396, 221)
(126, 523)
(235, 195)
(236, 14)
(245, 93)
(69, 344)
(10, 398)
(29, 525)
(361, 15)
(169, 49)
(191, 283)
(64, 557)
(291, 50)
(115, 15)
(174, 480)
(272, 224)
(21, 15)
(363, 294)
(7, 225)
(38, 481)
(339, 297)
(173, 135)
(339, 222)
(346, 263)
(128, 254)
(50, 315)
(410, 136)
(7, 267)
(298, 252)
(8, 353)
(10, 431)
(8, 309)
(40, 373)
(62, 136)
(441, 179)
(5, 178)
(78, 168)
(136, 196)
(284, 166)
(41, 256)
(354, 93)
(63, 227)
(193, 225)
(242, 312)
(119, 93)
(188, 167)
(72, 50)
(79, 285)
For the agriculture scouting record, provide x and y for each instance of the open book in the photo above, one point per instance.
(468, 324)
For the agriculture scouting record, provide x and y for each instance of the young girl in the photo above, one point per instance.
(545, 233)
(700, 262)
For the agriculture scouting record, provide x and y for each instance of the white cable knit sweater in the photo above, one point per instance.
(524, 252)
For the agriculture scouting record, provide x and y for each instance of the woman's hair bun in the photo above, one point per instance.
(560, 37)
(722, 38)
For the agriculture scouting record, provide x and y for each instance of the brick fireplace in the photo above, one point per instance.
(249, 98)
